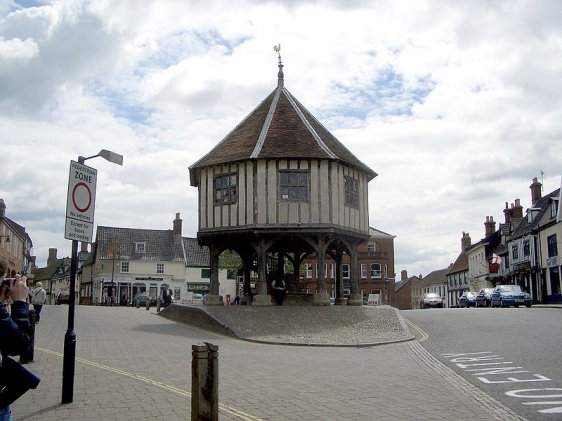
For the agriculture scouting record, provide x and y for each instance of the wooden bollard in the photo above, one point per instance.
(205, 382)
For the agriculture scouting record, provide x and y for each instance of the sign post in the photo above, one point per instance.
(80, 205)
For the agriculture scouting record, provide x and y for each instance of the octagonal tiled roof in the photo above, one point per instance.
(278, 128)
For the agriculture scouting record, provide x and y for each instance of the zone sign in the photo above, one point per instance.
(80, 203)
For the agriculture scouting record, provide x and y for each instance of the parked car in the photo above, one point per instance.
(63, 297)
(467, 299)
(431, 299)
(197, 298)
(142, 297)
(510, 295)
(484, 296)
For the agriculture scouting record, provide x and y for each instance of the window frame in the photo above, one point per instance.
(526, 248)
(351, 196)
(374, 271)
(125, 267)
(551, 245)
(364, 271)
(308, 270)
(230, 187)
(344, 270)
(553, 209)
(159, 268)
(286, 185)
(140, 247)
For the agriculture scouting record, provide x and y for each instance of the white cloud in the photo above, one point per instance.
(457, 107)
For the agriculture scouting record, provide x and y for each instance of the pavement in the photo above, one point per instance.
(276, 363)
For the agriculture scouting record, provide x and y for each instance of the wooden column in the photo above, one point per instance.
(214, 299)
(355, 298)
(262, 298)
(321, 297)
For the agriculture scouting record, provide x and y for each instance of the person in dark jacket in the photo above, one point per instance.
(14, 327)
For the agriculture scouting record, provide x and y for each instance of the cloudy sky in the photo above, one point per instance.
(457, 108)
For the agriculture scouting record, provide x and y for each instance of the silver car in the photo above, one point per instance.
(431, 299)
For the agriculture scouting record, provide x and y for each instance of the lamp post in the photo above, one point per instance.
(70, 336)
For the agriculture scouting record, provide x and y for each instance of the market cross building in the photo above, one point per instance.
(278, 189)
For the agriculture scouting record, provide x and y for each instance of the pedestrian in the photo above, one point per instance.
(38, 298)
(278, 286)
(14, 340)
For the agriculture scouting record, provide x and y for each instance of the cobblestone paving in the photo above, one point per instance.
(135, 365)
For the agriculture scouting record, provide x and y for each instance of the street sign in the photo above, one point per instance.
(80, 203)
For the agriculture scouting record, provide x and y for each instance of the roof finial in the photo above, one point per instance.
(277, 49)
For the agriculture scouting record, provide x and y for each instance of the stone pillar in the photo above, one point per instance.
(355, 298)
(262, 298)
(213, 298)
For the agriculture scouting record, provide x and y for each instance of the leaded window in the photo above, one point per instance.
(293, 186)
(351, 192)
(226, 189)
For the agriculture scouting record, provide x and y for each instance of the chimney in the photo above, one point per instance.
(517, 210)
(490, 225)
(466, 241)
(535, 191)
(404, 275)
(2, 209)
(177, 229)
(52, 256)
(84, 247)
(507, 213)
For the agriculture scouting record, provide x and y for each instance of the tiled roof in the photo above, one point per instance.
(432, 278)
(197, 256)
(159, 246)
(401, 284)
(373, 232)
(279, 128)
(525, 227)
(461, 264)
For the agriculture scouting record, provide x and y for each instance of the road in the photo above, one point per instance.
(133, 364)
(513, 354)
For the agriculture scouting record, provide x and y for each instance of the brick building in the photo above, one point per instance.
(375, 269)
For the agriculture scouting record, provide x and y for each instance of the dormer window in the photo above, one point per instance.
(293, 186)
(140, 247)
(351, 192)
(553, 208)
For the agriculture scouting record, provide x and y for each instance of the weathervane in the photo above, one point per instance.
(277, 49)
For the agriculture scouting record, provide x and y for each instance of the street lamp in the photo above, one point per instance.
(70, 336)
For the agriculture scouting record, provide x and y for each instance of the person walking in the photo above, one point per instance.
(14, 332)
(38, 298)
(278, 286)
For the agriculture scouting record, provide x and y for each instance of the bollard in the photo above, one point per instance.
(29, 353)
(148, 303)
(158, 305)
(205, 382)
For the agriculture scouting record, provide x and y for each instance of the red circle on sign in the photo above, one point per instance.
(84, 209)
